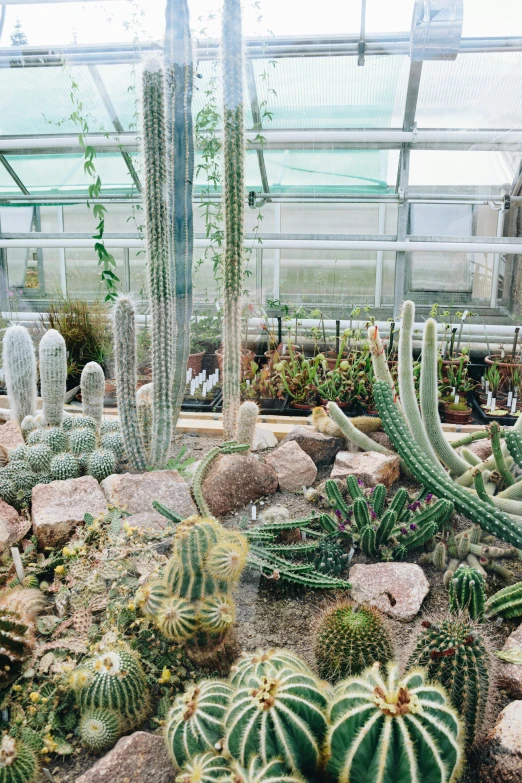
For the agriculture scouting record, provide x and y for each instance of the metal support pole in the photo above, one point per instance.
(4, 280)
(277, 253)
(259, 276)
(37, 221)
(402, 231)
(380, 257)
(61, 253)
(126, 271)
(496, 261)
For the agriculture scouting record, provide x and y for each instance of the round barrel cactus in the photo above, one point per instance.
(204, 768)
(99, 729)
(101, 463)
(18, 762)
(252, 666)
(82, 440)
(64, 466)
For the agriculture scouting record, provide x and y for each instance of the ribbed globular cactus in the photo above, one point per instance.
(125, 354)
(159, 273)
(92, 384)
(466, 592)
(275, 771)
(252, 666)
(234, 155)
(18, 610)
(101, 463)
(18, 762)
(53, 376)
(19, 363)
(99, 728)
(204, 768)
(82, 440)
(246, 427)
(454, 653)
(64, 466)
(384, 728)
(506, 602)
(349, 639)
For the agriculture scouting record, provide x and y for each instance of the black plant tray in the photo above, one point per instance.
(268, 406)
(204, 406)
(508, 421)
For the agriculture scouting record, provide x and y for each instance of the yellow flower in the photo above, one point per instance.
(131, 607)
(165, 676)
(49, 743)
(59, 569)
(16, 688)
(34, 696)
(66, 552)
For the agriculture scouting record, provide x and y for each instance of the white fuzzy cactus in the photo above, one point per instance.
(246, 427)
(144, 399)
(53, 375)
(93, 388)
(20, 372)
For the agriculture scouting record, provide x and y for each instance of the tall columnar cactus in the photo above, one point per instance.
(514, 446)
(246, 427)
(437, 481)
(352, 433)
(506, 602)
(234, 155)
(386, 728)
(53, 375)
(454, 654)
(125, 355)
(160, 291)
(19, 365)
(18, 762)
(92, 384)
(144, 400)
(179, 76)
(349, 639)
(466, 592)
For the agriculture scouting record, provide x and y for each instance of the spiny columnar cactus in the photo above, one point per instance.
(349, 639)
(234, 155)
(18, 609)
(514, 446)
(156, 219)
(18, 762)
(454, 653)
(195, 722)
(112, 681)
(19, 365)
(246, 427)
(386, 728)
(53, 375)
(437, 481)
(179, 78)
(279, 715)
(352, 433)
(92, 384)
(466, 592)
(144, 398)
(125, 353)
(506, 602)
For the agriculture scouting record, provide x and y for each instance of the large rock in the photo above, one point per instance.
(263, 439)
(320, 447)
(11, 436)
(60, 506)
(482, 448)
(501, 761)
(135, 492)
(397, 589)
(510, 674)
(369, 466)
(13, 527)
(294, 468)
(382, 439)
(138, 758)
(233, 480)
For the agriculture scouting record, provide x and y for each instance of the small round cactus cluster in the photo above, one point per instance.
(18, 762)
(78, 447)
(112, 694)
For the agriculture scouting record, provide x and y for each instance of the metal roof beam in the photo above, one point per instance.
(258, 122)
(14, 176)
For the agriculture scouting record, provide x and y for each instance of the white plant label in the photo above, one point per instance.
(254, 513)
(17, 560)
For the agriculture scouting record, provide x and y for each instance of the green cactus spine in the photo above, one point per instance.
(99, 729)
(100, 464)
(386, 728)
(437, 481)
(234, 155)
(18, 762)
(466, 592)
(204, 768)
(506, 602)
(19, 365)
(64, 466)
(53, 375)
(195, 722)
(514, 446)
(274, 771)
(281, 714)
(156, 218)
(82, 441)
(92, 384)
(246, 427)
(349, 639)
(125, 354)
(179, 74)
(252, 666)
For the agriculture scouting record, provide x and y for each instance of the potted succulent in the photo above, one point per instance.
(457, 413)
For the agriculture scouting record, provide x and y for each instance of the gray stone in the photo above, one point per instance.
(57, 508)
(501, 759)
(147, 520)
(11, 436)
(135, 492)
(397, 589)
(369, 466)
(233, 480)
(320, 447)
(13, 527)
(294, 468)
(382, 439)
(482, 448)
(510, 674)
(139, 758)
(263, 439)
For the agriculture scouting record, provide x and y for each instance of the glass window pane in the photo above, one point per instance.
(83, 272)
(454, 167)
(458, 278)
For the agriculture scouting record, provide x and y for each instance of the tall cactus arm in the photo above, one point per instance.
(124, 329)
(480, 488)
(234, 154)
(53, 376)
(514, 492)
(179, 77)
(498, 454)
(351, 433)
(429, 402)
(514, 446)
(380, 364)
(490, 519)
(19, 365)
(92, 384)
(470, 457)
(156, 213)
(407, 386)
(466, 440)
(166, 512)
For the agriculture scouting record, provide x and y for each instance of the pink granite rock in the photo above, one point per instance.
(11, 436)
(57, 508)
(501, 757)
(369, 466)
(294, 468)
(139, 758)
(510, 674)
(13, 527)
(320, 447)
(135, 492)
(397, 589)
(233, 480)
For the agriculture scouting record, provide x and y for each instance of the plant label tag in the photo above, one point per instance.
(514, 405)
(487, 386)
(490, 395)
(453, 388)
(464, 315)
(493, 403)
(457, 398)
(17, 560)
(254, 513)
(204, 375)
(204, 389)
(509, 398)
(192, 388)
